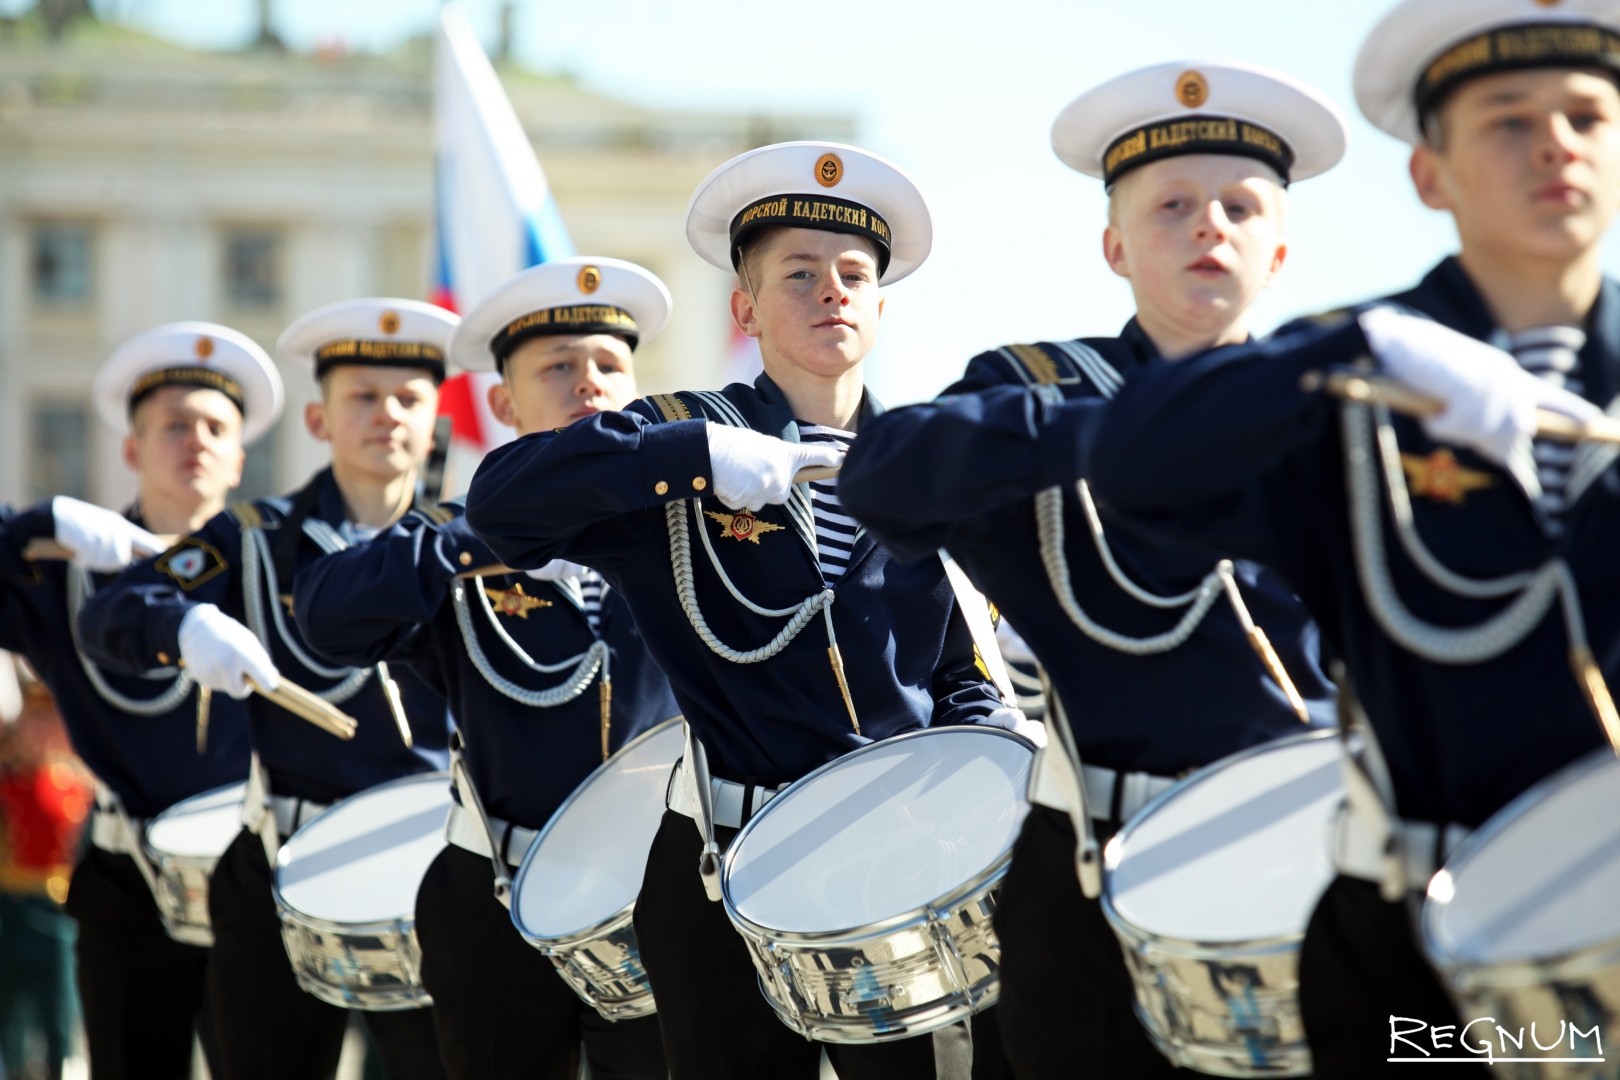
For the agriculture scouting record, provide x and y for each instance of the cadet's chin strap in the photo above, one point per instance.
(464, 784)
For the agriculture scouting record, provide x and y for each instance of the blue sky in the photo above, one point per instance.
(962, 96)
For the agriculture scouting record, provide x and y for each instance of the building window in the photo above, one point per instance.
(61, 262)
(59, 461)
(252, 267)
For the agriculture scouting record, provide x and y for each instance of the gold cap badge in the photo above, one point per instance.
(388, 322)
(829, 170)
(204, 348)
(1192, 89)
(589, 278)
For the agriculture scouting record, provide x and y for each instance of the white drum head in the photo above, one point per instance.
(362, 860)
(1541, 879)
(587, 864)
(1239, 852)
(882, 832)
(200, 827)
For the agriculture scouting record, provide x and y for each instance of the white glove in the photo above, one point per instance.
(751, 469)
(557, 570)
(100, 540)
(222, 654)
(1490, 401)
(1014, 720)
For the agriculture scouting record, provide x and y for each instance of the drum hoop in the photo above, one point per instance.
(405, 927)
(1190, 949)
(610, 922)
(1477, 839)
(158, 855)
(440, 777)
(1111, 852)
(562, 945)
(980, 882)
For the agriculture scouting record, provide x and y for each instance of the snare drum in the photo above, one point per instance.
(1524, 924)
(345, 888)
(1209, 889)
(575, 894)
(865, 890)
(183, 843)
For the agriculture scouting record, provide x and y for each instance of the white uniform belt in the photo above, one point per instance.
(1358, 848)
(107, 831)
(289, 812)
(727, 797)
(1133, 790)
(462, 829)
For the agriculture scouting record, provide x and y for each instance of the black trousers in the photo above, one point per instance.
(270, 1029)
(500, 1007)
(1067, 1001)
(142, 992)
(715, 1021)
(1361, 965)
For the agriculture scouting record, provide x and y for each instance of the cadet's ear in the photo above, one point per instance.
(1113, 245)
(744, 312)
(1428, 172)
(1277, 260)
(315, 421)
(500, 403)
(131, 459)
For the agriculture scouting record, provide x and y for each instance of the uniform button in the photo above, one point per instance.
(698, 483)
(163, 658)
(465, 558)
(661, 488)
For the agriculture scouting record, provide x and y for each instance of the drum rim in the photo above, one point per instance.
(155, 854)
(976, 885)
(1112, 850)
(438, 776)
(1504, 818)
(604, 925)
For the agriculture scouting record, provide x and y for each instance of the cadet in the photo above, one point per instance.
(379, 363)
(1196, 159)
(186, 398)
(1388, 526)
(526, 662)
(813, 229)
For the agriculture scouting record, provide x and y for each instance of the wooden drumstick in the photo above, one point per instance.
(42, 549)
(205, 701)
(1381, 390)
(300, 702)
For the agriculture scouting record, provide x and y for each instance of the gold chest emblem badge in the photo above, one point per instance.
(1442, 478)
(742, 525)
(514, 601)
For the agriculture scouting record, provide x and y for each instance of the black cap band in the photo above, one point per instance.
(193, 375)
(811, 212)
(1515, 48)
(1196, 135)
(568, 319)
(368, 353)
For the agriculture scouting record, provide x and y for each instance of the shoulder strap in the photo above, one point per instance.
(670, 407)
(247, 515)
(1062, 363)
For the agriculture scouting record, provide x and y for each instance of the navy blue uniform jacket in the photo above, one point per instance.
(596, 492)
(134, 623)
(1228, 448)
(391, 599)
(962, 472)
(149, 762)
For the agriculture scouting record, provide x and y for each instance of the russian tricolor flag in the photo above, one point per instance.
(495, 213)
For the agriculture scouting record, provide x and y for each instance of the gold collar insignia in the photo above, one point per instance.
(742, 525)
